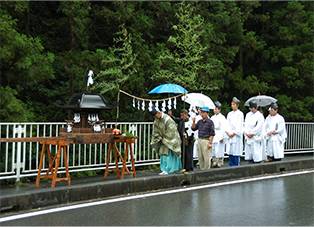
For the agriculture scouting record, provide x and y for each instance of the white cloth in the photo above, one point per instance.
(90, 80)
(195, 146)
(253, 124)
(220, 124)
(77, 118)
(275, 142)
(235, 121)
(188, 127)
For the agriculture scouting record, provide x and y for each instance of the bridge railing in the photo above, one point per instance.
(21, 159)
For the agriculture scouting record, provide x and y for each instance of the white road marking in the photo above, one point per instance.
(77, 206)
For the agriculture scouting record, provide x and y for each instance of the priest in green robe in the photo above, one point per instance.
(166, 141)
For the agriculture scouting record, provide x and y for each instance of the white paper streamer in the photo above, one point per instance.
(77, 118)
(157, 106)
(175, 103)
(90, 80)
(164, 106)
(169, 104)
(138, 105)
(143, 105)
(134, 102)
(150, 106)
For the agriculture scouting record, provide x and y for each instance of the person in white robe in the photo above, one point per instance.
(234, 146)
(253, 134)
(264, 155)
(275, 133)
(219, 141)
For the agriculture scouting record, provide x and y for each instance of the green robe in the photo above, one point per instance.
(165, 136)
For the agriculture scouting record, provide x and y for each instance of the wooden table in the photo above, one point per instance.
(54, 161)
(65, 139)
(128, 141)
(61, 144)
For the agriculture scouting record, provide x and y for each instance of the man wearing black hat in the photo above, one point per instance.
(253, 134)
(220, 137)
(166, 141)
(275, 133)
(186, 134)
(235, 129)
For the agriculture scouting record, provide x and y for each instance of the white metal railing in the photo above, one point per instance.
(21, 159)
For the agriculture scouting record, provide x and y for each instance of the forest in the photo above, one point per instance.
(221, 49)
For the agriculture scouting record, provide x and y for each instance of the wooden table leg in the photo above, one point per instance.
(51, 159)
(123, 159)
(116, 155)
(66, 164)
(55, 170)
(41, 160)
(126, 156)
(108, 159)
(132, 159)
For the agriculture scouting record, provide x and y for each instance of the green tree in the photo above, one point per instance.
(24, 65)
(185, 60)
(223, 49)
(13, 109)
(118, 65)
(287, 63)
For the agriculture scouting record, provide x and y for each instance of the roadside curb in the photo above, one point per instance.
(39, 198)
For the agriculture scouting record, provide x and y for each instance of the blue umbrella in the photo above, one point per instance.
(168, 88)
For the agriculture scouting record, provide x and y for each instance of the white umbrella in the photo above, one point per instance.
(261, 100)
(198, 99)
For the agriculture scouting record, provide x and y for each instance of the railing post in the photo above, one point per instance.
(19, 131)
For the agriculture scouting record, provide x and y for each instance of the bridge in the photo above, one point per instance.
(18, 160)
(197, 198)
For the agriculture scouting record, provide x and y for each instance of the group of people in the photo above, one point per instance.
(196, 135)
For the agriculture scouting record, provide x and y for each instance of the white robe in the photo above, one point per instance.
(235, 121)
(220, 137)
(275, 142)
(253, 124)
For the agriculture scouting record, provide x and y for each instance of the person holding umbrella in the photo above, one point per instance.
(253, 128)
(235, 120)
(275, 133)
(166, 141)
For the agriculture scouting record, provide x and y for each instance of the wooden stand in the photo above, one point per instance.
(128, 141)
(54, 161)
(65, 139)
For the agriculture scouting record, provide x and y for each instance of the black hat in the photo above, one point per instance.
(274, 106)
(217, 104)
(184, 111)
(252, 104)
(153, 111)
(236, 100)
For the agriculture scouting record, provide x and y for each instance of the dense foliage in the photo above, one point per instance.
(222, 49)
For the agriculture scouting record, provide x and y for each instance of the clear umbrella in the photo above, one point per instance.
(261, 100)
(198, 99)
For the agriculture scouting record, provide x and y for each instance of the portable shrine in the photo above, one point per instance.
(84, 112)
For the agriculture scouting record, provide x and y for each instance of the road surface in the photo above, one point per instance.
(276, 200)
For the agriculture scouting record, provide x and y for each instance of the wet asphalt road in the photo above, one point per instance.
(281, 201)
